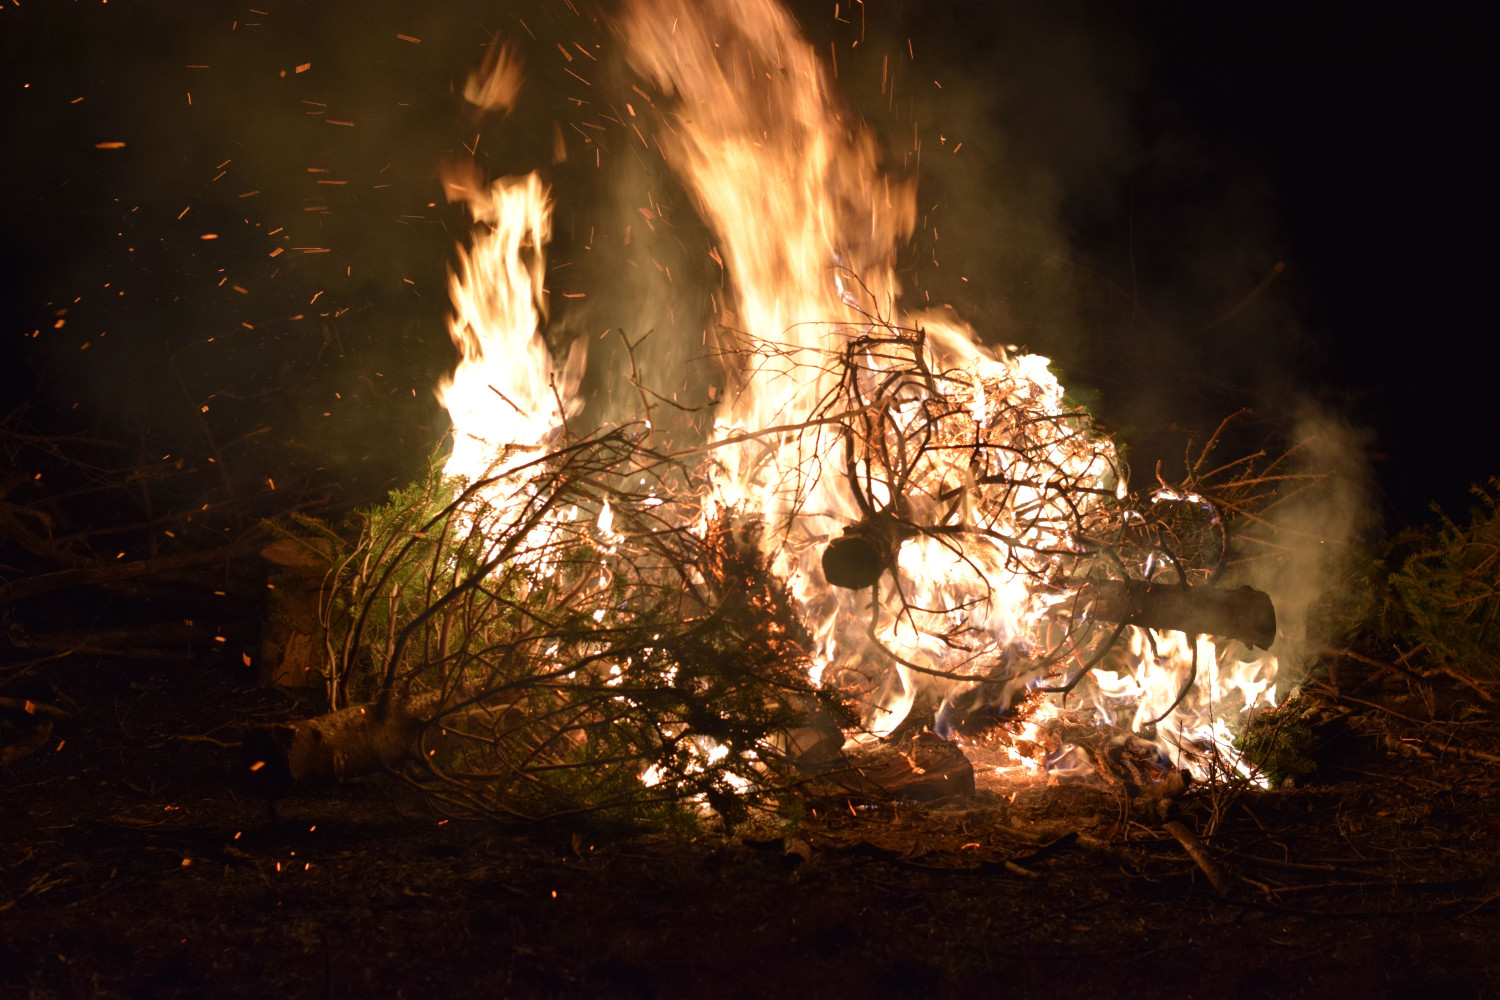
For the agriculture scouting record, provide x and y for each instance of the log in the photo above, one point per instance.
(853, 562)
(922, 769)
(817, 745)
(142, 642)
(856, 560)
(103, 574)
(349, 743)
(1242, 613)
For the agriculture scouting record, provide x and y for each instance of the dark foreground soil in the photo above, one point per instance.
(132, 865)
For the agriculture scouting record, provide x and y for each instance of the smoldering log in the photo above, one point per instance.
(857, 559)
(1242, 613)
(922, 769)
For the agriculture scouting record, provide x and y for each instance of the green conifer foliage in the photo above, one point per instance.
(1449, 590)
(563, 659)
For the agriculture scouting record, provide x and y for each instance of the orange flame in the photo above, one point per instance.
(816, 344)
(506, 396)
(809, 224)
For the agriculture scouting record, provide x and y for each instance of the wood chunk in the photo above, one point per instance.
(853, 562)
(921, 769)
(817, 746)
(279, 758)
(1242, 613)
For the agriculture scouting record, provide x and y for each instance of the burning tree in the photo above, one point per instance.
(888, 523)
(881, 444)
(576, 631)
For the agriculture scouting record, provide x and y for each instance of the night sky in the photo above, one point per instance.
(1130, 175)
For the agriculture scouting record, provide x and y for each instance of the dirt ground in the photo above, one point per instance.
(132, 865)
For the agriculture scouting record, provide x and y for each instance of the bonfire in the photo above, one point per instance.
(892, 535)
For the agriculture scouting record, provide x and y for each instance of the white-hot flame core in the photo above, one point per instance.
(499, 395)
(507, 398)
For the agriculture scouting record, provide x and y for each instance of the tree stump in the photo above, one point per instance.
(292, 645)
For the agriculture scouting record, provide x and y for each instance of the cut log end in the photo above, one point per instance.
(852, 562)
(279, 758)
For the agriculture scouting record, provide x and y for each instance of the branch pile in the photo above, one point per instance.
(994, 546)
(559, 638)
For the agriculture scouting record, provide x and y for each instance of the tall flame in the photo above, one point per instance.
(846, 419)
(810, 224)
(792, 189)
(506, 396)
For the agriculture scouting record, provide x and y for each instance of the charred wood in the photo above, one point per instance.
(922, 769)
(1242, 613)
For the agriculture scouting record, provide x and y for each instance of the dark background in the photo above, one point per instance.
(1129, 176)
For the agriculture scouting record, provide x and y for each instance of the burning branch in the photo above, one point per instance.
(990, 525)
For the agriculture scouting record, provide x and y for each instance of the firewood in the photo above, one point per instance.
(922, 769)
(856, 560)
(106, 573)
(31, 707)
(349, 743)
(29, 741)
(159, 641)
(1242, 613)
(816, 746)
